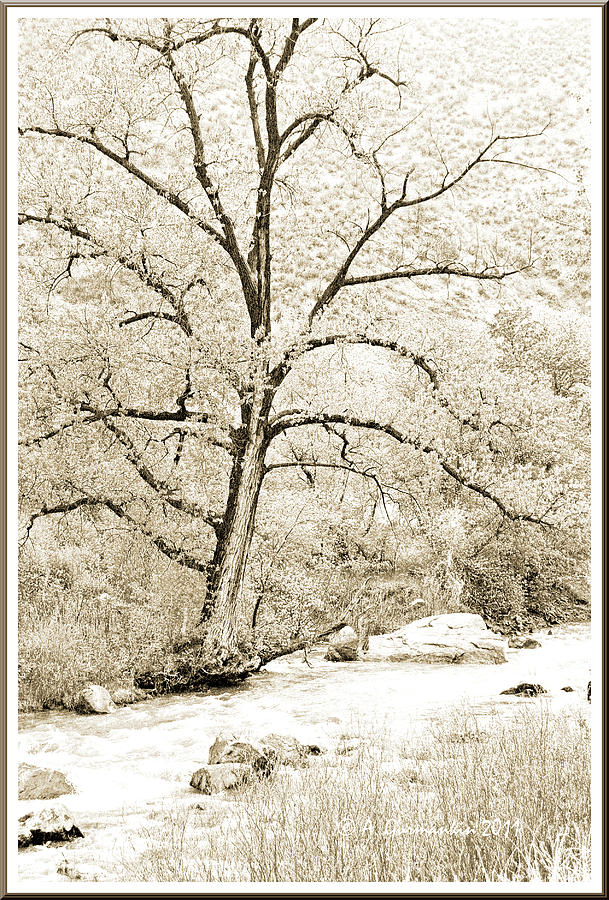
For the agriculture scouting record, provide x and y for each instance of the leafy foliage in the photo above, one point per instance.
(272, 265)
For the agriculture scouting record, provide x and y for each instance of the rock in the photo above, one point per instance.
(262, 755)
(228, 748)
(54, 823)
(24, 834)
(347, 746)
(468, 736)
(453, 638)
(568, 689)
(125, 695)
(285, 751)
(334, 655)
(219, 746)
(42, 784)
(95, 699)
(520, 642)
(221, 777)
(314, 750)
(79, 873)
(343, 645)
(526, 690)
(484, 655)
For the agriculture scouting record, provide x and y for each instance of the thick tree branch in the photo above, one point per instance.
(187, 418)
(167, 49)
(295, 352)
(169, 44)
(253, 107)
(139, 266)
(268, 654)
(252, 34)
(259, 257)
(40, 439)
(164, 491)
(132, 318)
(272, 80)
(211, 191)
(311, 121)
(282, 369)
(181, 415)
(283, 423)
(165, 546)
(160, 189)
(387, 210)
(45, 510)
(489, 273)
(290, 44)
(302, 137)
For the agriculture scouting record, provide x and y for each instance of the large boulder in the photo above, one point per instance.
(42, 784)
(286, 751)
(95, 699)
(343, 645)
(52, 824)
(228, 748)
(221, 777)
(452, 638)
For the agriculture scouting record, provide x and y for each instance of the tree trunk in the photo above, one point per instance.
(228, 565)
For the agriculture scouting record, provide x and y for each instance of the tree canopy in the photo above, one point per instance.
(258, 254)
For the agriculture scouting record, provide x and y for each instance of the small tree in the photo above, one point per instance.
(179, 171)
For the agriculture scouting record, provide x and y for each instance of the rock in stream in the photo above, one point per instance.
(55, 823)
(42, 784)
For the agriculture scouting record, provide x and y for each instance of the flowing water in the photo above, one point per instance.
(127, 765)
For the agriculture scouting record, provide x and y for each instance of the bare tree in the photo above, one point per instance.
(184, 229)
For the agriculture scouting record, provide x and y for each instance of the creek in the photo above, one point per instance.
(127, 765)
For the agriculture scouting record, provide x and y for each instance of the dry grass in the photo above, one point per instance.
(511, 803)
(80, 641)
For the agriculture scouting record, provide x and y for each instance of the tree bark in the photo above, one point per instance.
(228, 565)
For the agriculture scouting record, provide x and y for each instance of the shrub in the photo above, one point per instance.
(516, 584)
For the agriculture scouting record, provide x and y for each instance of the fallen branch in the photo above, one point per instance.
(267, 656)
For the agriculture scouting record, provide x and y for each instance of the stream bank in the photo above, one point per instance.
(136, 761)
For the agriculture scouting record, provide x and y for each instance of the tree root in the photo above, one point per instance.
(193, 665)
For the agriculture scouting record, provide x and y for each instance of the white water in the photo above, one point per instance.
(129, 764)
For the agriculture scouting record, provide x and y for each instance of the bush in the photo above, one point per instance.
(514, 585)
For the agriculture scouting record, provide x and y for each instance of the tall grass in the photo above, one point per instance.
(83, 639)
(509, 803)
(90, 610)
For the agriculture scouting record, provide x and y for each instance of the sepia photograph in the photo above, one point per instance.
(302, 427)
